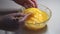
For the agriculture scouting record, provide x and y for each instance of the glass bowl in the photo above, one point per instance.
(45, 9)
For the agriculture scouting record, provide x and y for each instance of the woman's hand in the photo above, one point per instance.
(13, 21)
(27, 3)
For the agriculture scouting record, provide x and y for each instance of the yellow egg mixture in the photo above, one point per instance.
(36, 19)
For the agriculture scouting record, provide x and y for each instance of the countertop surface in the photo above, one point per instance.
(53, 27)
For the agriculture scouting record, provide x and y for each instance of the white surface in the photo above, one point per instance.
(54, 23)
(54, 5)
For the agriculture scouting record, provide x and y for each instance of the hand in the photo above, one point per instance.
(12, 21)
(27, 3)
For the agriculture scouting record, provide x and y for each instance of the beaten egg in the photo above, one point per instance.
(36, 19)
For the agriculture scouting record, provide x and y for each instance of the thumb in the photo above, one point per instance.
(17, 14)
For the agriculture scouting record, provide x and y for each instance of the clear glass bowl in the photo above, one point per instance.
(45, 9)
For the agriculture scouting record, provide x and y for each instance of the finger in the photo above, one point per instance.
(31, 3)
(17, 14)
(34, 3)
(25, 17)
(27, 5)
